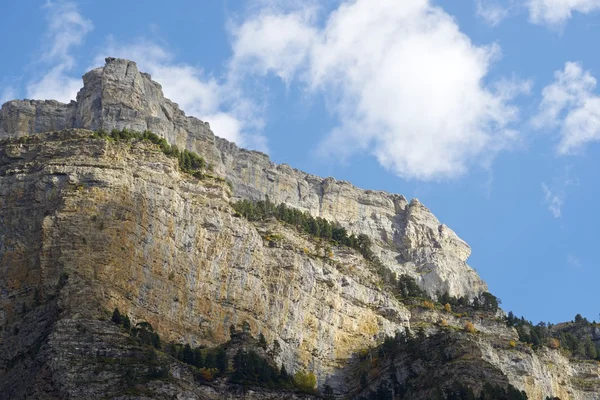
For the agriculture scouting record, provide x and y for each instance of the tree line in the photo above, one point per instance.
(249, 368)
(543, 334)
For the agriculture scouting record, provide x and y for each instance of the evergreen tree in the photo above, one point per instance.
(116, 317)
(209, 361)
(283, 373)
(198, 360)
(262, 342)
(328, 392)
(221, 360)
(126, 322)
(188, 354)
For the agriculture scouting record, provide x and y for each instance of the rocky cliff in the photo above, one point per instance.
(88, 224)
(408, 236)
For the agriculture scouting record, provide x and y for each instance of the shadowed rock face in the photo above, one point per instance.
(408, 237)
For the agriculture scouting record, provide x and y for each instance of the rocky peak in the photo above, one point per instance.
(407, 236)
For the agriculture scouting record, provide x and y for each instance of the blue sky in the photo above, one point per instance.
(487, 111)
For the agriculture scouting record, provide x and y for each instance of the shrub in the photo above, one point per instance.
(305, 381)
(428, 304)
(469, 327)
(512, 343)
(246, 327)
(553, 343)
(207, 374)
(443, 322)
(448, 307)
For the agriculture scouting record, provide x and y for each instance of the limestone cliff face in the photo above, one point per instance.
(496, 348)
(408, 236)
(87, 225)
(130, 231)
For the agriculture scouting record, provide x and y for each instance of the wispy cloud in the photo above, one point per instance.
(553, 201)
(555, 195)
(67, 29)
(570, 106)
(491, 11)
(573, 262)
(404, 82)
(555, 13)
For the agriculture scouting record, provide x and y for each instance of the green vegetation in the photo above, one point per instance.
(334, 233)
(485, 302)
(434, 353)
(142, 330)
(458, 391)
(189, 162)
(249, 368)
(554, 337)
(403, 286)
(253, 370)
(303, 221)
(306, 381)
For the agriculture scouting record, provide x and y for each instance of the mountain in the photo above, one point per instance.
(120, 201)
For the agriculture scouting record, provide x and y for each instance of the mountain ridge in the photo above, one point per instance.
(407, 236)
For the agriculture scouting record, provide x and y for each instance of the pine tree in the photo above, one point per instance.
(188, 354)
(209, 361)
(126, 322)
(262, 342)
(221, 360)
(116, 317)
(198, 360)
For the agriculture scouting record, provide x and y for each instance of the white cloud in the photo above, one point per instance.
(553, 201)
(230, 114)
(67, 29)
(404, 82)
(570, 105)
(556, 12)
(274, 43)
(493, 12)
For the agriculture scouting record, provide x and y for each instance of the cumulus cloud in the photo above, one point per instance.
(570, 106)
(404, 82)
(230, 114)
(67, 29)
(556, 12)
